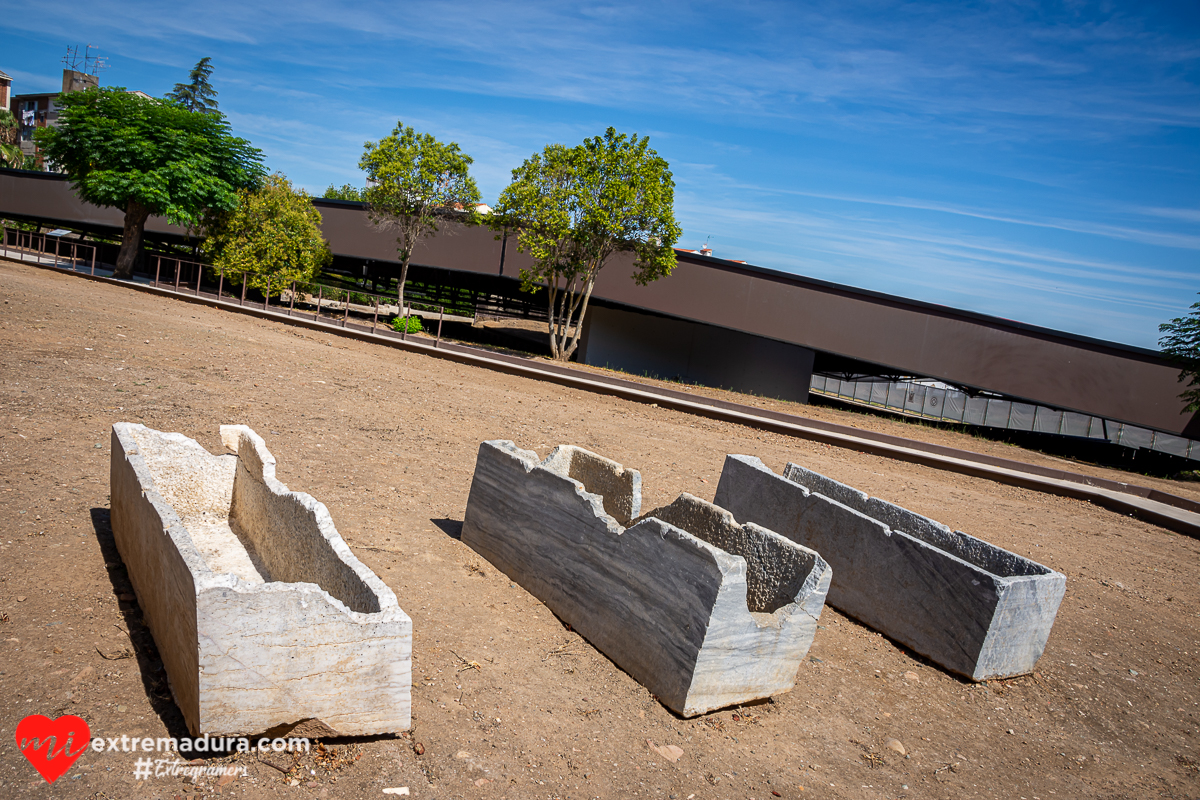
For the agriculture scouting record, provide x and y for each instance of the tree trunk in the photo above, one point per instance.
(410, 235)
(556, 300)
(566, 312)
(570, 350)
(136, 215)
(400, 283)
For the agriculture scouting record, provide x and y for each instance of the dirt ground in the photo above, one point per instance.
(387, 440)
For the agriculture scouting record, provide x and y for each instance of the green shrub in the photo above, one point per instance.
(414, 325)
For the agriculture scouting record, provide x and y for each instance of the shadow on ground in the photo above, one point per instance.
(450, 527)
(154, 676)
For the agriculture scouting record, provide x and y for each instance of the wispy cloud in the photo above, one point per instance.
(963, 270)
(1185, 214)
(29, 82)
(990, 70)
(1162, 238)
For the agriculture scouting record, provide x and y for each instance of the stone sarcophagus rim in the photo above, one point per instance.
(701, 610)
(974, 608)
(263, 618)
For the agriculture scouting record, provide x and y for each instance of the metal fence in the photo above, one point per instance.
(429, 289)
(21, 244)
(942, 404)
(331, 304)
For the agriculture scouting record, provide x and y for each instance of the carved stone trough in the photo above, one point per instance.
(263, 617)
(703, 611)
(974, 608)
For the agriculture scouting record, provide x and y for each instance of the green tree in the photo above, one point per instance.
(147, 157)
(1182, 344)
(574, 208)
(343, 192)
(273, 236)
(415, 180)
(10, 135)
(199, 94)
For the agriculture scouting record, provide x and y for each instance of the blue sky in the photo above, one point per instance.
(1035, 161)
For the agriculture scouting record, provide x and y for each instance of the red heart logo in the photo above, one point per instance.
(47, 743)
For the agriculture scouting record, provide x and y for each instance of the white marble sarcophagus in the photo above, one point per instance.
(263, 617)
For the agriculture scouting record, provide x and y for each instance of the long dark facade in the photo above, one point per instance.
(725, 323)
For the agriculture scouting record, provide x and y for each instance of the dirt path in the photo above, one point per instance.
(387, 441)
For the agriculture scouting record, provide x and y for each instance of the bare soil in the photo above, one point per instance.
(508, 702)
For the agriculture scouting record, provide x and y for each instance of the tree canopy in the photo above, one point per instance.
(273, 236)
(1182, 343)
(343, 192)
(148, 157)
(199, 95)
(575, 207)
(415, 180)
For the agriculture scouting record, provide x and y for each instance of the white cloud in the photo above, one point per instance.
(30, 83)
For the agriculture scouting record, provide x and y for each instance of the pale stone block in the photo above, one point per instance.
(262, 615)
(976, 609)
(703, 611)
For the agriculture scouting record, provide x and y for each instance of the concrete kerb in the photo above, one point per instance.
(1136, 500)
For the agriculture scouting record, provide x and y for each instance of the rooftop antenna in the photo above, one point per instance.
(87, 63)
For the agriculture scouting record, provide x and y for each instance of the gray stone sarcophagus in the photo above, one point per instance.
(974, 608)
(263, 617)
(702, 611)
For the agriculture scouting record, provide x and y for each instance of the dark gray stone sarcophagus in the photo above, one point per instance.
(974, 608)
(701, 610)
